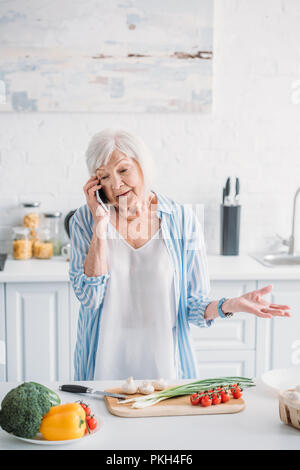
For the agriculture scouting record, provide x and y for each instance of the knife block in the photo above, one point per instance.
(230, 230)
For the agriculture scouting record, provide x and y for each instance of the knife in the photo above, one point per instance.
(237, 191)
(81, 389)
(227, 193)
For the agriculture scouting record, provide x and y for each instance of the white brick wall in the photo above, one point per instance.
(253, 132)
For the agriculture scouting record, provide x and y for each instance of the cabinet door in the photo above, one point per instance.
(38, 339)
(225, 363)
(2, 336)
(74, 310)
(278, 339)
(233, 333)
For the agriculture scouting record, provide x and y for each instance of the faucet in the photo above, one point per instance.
(292, 237)
(290, 243)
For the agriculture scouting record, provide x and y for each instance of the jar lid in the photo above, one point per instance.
(20, 229)
(52, 214)
(30, 204)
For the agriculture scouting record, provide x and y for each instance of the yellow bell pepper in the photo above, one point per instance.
(64, 422)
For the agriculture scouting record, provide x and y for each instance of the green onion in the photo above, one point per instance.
(188, 389)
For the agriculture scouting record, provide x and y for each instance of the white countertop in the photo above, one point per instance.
(229, 268)
(258, 426)
(220, 268)
(35, 270)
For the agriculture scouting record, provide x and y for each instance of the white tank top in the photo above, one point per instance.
(137, 327)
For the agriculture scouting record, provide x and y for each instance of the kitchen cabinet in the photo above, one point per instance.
(227, 347)
(278, 339)
(225, 363)
(37, 331)
(235, 333)
(74, 310)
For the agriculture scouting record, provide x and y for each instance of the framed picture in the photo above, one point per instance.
(136, 56)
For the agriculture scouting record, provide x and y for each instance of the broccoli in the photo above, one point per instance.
(23, 408)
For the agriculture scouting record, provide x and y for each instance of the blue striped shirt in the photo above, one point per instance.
(184, 239)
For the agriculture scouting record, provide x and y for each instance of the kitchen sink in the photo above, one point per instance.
(288, 258)
(277, 259)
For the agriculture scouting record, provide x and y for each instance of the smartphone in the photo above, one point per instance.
(101, 198)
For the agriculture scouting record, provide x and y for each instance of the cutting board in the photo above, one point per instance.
(179, 406)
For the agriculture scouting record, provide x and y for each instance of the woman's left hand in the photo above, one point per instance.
(252, 302)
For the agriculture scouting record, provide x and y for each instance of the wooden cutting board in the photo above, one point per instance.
(179, 406)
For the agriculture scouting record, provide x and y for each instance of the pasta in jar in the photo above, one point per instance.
(42, 250)
(31, 217)
(42, 246)
(22, 245)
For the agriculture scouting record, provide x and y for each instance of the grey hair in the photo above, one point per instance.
(103, 144)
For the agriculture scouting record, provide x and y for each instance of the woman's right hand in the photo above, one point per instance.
(100, 216)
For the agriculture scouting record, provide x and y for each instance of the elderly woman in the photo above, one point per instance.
(140, 271)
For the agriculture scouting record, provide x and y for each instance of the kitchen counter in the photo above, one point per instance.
(220, 268)
(258, 426)
(227, 268)
(35, 270)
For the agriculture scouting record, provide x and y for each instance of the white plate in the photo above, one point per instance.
(281, 379)
(43, 442)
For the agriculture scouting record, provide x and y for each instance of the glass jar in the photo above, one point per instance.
(22, 243)
(51, 221)
(31, 217)
(42, 246)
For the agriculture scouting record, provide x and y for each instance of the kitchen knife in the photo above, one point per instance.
(237, 191)
(227, 186)
(227, 193)
(81, 389)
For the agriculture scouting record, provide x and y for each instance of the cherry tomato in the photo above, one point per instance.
(216, 399)
(225, 396)
(92, 423)
(206, 401)
(87, 410)
(233, 388)
(195, 399)
(83, 405)
(237, 393)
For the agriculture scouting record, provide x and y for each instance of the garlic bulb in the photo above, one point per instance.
(291, 398)
(297, 388)
(129, 386)
(160, 384)
(146, 388)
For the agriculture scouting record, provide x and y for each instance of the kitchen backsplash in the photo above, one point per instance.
(253, 133)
